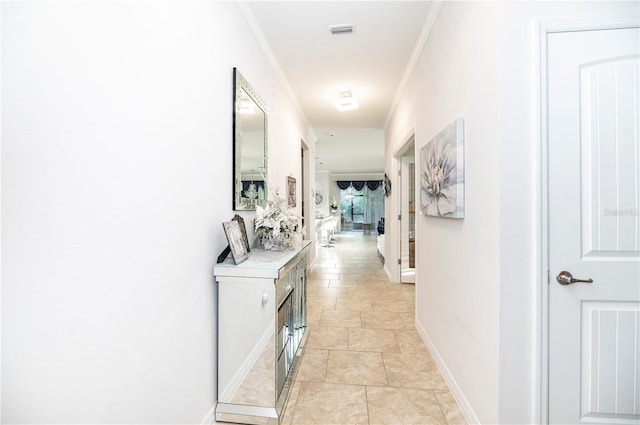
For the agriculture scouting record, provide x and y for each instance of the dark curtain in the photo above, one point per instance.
(246, 183)
(359, 184)
(373, 184)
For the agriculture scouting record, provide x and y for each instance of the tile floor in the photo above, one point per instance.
(364, 363)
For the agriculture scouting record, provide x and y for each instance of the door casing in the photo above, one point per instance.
(392, 224)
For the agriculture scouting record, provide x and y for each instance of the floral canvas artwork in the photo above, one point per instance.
(442, 173)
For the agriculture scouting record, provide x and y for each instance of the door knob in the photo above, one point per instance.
(565, 278)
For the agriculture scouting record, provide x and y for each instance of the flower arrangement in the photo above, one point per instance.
(276, 225)
(333, 205)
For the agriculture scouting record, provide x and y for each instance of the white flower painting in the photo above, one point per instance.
(442, 173)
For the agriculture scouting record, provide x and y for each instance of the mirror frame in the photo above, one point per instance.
(239, 84)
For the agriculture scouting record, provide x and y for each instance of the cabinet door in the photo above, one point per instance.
(246, 343)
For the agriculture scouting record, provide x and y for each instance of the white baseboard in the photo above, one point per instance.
(457, 393)
(386, 270)
(210, 419)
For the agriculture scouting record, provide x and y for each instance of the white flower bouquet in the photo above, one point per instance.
(276, 225)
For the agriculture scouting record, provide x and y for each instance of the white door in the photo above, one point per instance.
(408, 221)
(594, 226)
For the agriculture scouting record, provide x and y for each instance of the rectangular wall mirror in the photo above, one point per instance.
(249, 146)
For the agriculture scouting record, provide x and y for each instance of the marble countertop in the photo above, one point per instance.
(261, 263)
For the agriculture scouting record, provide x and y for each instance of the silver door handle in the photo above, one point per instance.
(565, 278)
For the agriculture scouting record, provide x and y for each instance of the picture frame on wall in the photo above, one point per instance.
(386, 185)
(442, 173)
(291, 191)
(236, 242)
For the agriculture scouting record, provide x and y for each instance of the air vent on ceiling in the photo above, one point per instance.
(342, 29)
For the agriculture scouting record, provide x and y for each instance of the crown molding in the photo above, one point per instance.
(430, 20)
(246, 12)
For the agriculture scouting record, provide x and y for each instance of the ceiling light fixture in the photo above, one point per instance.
(342, 29)
(346, 102)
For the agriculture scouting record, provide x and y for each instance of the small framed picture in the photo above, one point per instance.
(236, 241)
(386, 185)
(243, 230)
(291, 191)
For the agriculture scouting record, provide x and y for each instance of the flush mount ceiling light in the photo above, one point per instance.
(342, 29)
(346, 102)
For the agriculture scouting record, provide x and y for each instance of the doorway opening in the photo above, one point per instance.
(408, 220)
(408, 214)
(304, 186)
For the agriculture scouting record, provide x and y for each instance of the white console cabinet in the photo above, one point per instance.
(262, 322)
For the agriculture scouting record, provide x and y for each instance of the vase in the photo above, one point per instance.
(281, 242)
(272, 243)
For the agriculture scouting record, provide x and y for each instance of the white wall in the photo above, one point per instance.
(458, 272)
(478, 278)
(399, 132)
(323, 187)
(456, 288)
(116, 176)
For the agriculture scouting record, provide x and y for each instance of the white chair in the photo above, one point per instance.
(327, 231)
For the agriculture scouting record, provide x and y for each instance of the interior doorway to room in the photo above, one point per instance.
(408, 220)
(304, 187)
(408, 215)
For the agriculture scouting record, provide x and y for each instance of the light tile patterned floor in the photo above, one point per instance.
(364, 363)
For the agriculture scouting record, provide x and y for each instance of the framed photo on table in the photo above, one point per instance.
(236, 242)
(243, 230)
(291, 191)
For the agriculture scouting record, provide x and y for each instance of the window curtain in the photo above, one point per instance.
(373, 205)
(359, 184)
(373, 194)
(343, 185)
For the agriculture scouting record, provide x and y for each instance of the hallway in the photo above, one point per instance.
(364, 362)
